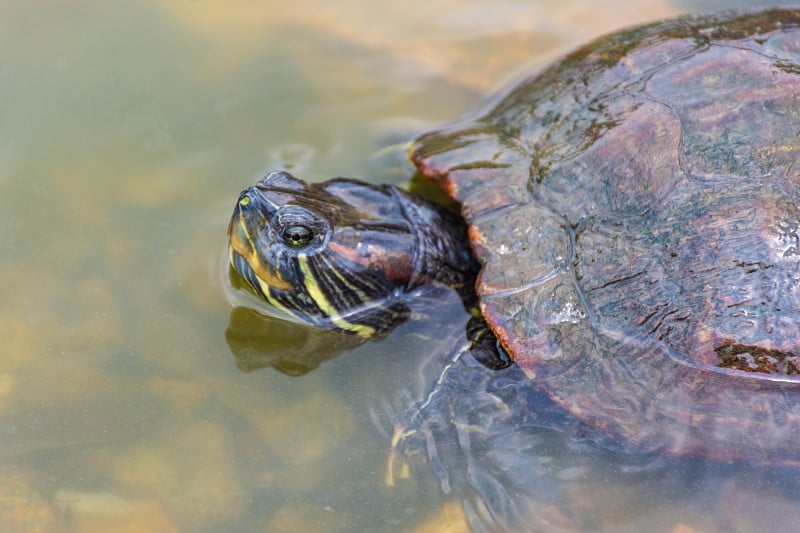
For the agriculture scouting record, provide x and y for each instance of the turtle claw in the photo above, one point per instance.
(419, 434)
(397, 456)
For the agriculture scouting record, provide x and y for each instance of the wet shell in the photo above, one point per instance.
(636, 209)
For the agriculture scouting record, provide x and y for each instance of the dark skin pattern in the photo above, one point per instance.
(370, 248)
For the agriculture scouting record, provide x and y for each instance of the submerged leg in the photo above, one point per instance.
(423, 418)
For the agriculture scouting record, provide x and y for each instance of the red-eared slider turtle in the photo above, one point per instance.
(635, 212)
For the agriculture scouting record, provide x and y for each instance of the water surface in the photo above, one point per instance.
(127, 131)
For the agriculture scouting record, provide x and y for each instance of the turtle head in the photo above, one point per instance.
(337, 255)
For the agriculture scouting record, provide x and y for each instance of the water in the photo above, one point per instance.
(127, 131)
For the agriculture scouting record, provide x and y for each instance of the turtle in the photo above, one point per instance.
(627, 235)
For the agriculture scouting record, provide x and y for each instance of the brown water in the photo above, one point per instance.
(126, 132)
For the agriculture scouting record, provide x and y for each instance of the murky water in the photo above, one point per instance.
(126, 132)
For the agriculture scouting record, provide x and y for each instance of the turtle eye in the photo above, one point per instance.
(298, 230)
(297, 236)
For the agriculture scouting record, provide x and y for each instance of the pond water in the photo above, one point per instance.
(131, 396)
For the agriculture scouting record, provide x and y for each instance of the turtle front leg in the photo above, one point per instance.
(417, 429)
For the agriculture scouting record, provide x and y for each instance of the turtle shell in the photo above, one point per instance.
(636, 209)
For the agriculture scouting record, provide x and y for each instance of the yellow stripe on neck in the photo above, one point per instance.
(314, 290)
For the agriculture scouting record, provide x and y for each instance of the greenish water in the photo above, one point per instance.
(126, 132)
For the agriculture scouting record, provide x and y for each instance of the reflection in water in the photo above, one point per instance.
(259, 341)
